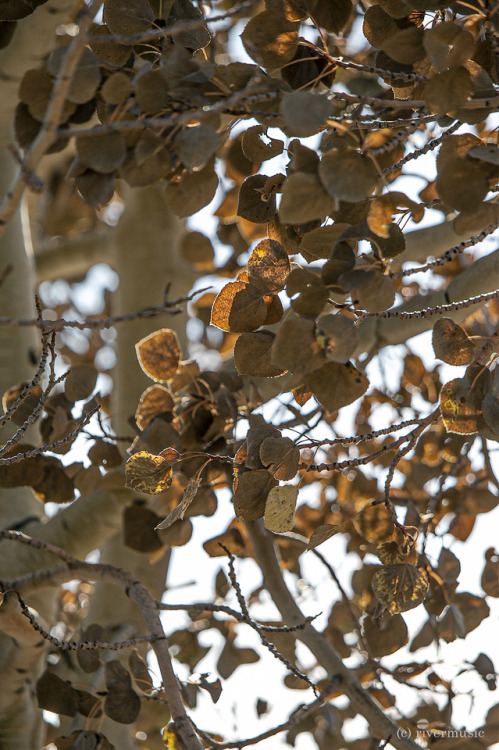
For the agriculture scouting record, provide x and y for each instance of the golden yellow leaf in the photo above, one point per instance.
(148, 473)
(280, 508)
(400, 587)
(159, 354)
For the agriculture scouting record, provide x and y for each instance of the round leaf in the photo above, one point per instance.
(159, 354)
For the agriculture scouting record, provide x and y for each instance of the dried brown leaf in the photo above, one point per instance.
(336, 385)
(148, 473)
(159, 354)
(347, 174)
(451, 343)
(400, 587)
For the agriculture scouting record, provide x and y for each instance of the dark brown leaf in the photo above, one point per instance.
(280, 456)
(139, 524)
(347, 174)
(122, 704)
(253, 204)
(304, 113)
(252, 355)
(270, 39)
(336, 385)
(251, 493)
(192, 191)
(451, 343)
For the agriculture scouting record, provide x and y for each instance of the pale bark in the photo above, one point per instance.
(435, 240)
(27, 50)
(380, 725)
(480, 277)
(146, 257)
(20, 719)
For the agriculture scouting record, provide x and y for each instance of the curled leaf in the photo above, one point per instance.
(148, 473)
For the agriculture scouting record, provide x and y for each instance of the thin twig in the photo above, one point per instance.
(430, 146)
(448, 255)
(50, 446)
(60, 323)
(365, 436)
(249, 620)
(428, 311)
(80, 645)
(298, 716)
(362, 460)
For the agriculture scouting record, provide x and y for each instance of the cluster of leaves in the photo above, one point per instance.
(319, 240)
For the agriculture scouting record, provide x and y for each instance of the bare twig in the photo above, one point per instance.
(60, 323)
(296, 717)
(449, 254)
(50, 446)
(428, 311)
(430, 146)
(380, 724)
(80, 645)
(210, 607)
(361, 461)
(249, 620)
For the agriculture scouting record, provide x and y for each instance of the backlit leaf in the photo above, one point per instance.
(154, 401)
(238, 308)
(280, 508)
(400, 587)
(159, 354)
(148, 473)
(457, 408)
(268, 266)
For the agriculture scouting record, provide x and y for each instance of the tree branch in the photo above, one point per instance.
(380, 724)
(48, 131)
(480, 278)
(73, 568)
